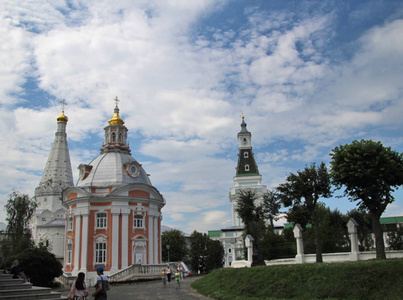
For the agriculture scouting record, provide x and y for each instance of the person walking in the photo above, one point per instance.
(169, 273)
(178, 279)
(79, 290)
(164, 277)
(102, 285)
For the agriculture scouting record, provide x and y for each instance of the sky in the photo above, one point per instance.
(307, 75)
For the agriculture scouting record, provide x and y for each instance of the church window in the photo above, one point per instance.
(101, 221)
(120, 138)
(244, 141)
(43, 219)
(113, 137)
(246, 168)
(138, 221)
(70, 224)
(245, 154)
(69, 253)
(100, 252)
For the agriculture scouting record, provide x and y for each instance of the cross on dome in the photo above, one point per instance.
(63, 103)
(116, 100)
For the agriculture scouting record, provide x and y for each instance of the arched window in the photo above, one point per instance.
(245, 154)
(246, 168)
(120, 138)
(113, 137)
(244, 141)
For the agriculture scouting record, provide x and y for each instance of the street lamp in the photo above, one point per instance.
(168, 246)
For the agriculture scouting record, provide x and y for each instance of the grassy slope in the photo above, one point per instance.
(352, 280)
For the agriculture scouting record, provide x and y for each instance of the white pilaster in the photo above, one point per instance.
(156, 240)
(150, 247)
(125, 238)
(84, 244)
(115, 241)
(77, 245)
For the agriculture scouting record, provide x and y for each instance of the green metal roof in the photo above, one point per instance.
(214, 232)
(389, 220)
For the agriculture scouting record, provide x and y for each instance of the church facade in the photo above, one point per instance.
(110, 218)
(114, 212)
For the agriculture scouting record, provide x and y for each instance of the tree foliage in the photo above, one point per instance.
(369, 173)
(205, 254)
(38, 264)
(177, 245)
(364, 229)
(19, 209)
(272, 205)
(395, 239)
(305, 189)
(253, 217)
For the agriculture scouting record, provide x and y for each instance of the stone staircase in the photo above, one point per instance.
(11, 289)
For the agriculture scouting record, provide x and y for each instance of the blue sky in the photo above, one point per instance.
(307, 75)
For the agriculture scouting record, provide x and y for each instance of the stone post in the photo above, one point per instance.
(352, 230)
(299, 258)
(249, 244)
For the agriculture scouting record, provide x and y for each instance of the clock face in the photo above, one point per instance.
(133, 170)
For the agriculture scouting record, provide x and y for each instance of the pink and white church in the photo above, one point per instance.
(110, 218)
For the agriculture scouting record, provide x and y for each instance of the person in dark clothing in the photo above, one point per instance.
(17, 271)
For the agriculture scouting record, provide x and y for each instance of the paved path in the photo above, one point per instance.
(154, 290)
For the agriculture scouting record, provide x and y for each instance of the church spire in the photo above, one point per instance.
(58, 166)
(246, 161)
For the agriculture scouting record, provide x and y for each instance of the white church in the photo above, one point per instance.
(110, 218)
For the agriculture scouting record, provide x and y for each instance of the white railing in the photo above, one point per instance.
(137, 271)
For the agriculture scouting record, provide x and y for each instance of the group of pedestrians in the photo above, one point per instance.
(167, 275)
(79, 290)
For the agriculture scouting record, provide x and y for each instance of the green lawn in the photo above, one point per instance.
(373, 279)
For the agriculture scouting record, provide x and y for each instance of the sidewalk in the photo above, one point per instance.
(153, 290)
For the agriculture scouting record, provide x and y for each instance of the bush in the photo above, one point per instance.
(38, 264)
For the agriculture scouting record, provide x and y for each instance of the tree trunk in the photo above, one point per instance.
(377, 229)
(318, 238)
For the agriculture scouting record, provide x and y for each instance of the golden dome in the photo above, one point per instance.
(116, 119)
(62, 118)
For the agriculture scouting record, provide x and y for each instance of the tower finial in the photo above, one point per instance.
(116, 100)
(242, 116)
(63, 103)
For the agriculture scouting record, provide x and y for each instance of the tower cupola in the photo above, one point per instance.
(115, 134)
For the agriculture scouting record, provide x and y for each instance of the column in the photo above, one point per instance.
(115, 240)
(150, 248)
(77, 245)
(156, 235)
(125, 238)
(299, 258)
(84, 243)
(352, 230)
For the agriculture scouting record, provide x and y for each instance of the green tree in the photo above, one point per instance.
(198, 251)
(272, 205)
(252, 215)
(205, 254)
(177, 245)
(215, 255)
(306, 188)
(38, 264)
(395, 239)
(369, 172)
(19, 209)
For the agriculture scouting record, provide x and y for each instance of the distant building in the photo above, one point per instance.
(247, 177)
